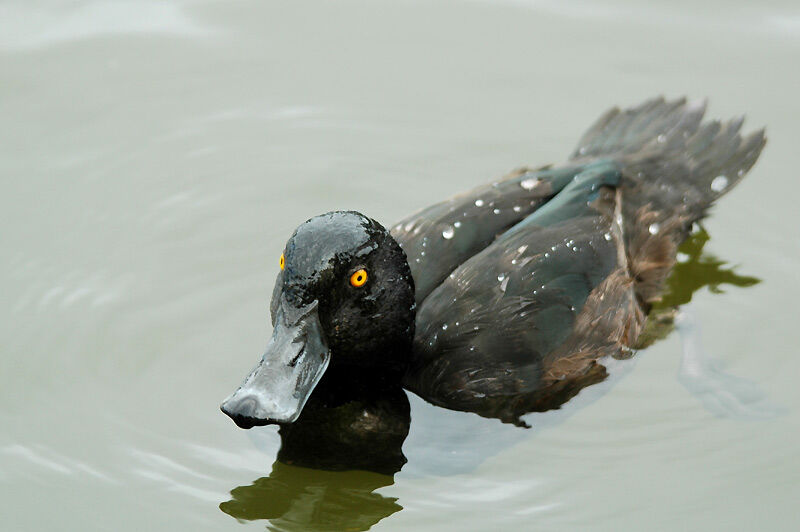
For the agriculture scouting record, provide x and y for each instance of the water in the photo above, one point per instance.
(154, 158)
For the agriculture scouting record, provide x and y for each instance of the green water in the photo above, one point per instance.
(155, 157)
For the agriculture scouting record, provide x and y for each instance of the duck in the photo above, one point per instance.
(502, 300)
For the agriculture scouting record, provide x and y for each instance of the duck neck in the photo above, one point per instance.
(343, 429)
(344, 382)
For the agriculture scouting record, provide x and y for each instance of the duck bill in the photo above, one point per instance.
(294, 362)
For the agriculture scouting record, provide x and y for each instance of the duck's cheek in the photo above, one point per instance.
(338, 334)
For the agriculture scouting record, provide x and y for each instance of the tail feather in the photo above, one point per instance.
(674, 167)
(665, 145)
(620, 132)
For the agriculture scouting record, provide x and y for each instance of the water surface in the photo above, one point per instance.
(155, 158)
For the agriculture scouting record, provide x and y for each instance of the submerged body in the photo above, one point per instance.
(500, 301)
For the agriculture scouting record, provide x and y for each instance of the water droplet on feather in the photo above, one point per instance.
(719, 183)
(530, 183)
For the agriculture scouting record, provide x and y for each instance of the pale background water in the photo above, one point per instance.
(155, 156)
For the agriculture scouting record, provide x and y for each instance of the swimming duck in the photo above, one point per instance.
(502, 300)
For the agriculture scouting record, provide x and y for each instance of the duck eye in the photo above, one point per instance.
(282, 261)
(359, 278)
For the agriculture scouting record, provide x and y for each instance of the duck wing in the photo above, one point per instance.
(495, 329)
(440, 237)
(519, 326)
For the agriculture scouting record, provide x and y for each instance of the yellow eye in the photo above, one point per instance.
(282, 261)
(359, 278)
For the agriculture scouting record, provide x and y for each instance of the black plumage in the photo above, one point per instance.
(504, 300)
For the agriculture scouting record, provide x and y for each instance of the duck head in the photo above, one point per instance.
(342, 306)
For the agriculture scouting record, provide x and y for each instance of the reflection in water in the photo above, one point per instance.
(333, 458)
(330, 462)
(693, 271)
(297, 498)
(696, 269)
(722, 394)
